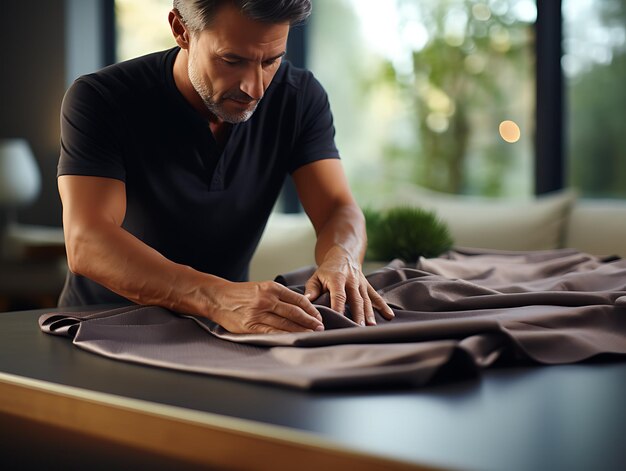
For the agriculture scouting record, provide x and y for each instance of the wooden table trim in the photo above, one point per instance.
(189, 436)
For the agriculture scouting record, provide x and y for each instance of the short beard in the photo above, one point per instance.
(206, 93)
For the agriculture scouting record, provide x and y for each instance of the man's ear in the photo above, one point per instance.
(179, 30)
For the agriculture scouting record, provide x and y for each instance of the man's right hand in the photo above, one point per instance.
(262, 308)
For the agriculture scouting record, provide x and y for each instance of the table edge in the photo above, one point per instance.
(183, 434)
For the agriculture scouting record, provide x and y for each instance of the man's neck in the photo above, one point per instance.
(221, 132)
(185, 87)
(219, 128)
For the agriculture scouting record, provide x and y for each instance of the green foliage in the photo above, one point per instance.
(460, 84)
(597, 141)
(405, 232)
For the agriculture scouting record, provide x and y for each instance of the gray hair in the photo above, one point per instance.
(199, 14)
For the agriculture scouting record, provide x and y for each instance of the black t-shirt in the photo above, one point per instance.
(195, 203)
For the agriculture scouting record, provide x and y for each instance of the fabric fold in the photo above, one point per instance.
(458, 314)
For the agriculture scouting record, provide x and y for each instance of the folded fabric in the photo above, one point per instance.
(455, 314)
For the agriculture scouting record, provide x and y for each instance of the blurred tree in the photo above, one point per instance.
(597, 103)
(464, 75)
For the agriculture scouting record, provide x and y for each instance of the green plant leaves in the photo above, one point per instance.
(405, 232)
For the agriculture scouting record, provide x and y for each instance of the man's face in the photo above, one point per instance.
(232, 63)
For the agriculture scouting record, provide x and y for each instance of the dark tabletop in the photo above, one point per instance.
(525, 418)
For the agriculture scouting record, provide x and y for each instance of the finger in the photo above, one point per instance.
(337, 297)
(379, 303)
(370, 319)
(356, 303)
(297, 316)
(313, 288)
(283, 324)
(266, 329)
(291, 297)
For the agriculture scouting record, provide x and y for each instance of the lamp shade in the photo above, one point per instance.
(20, 180)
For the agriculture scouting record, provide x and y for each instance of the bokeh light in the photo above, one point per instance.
(509, 131)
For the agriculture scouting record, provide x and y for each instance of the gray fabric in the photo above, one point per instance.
(454, 314)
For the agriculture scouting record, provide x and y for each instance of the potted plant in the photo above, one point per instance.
(404, 232)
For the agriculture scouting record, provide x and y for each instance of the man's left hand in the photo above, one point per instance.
(343, 278)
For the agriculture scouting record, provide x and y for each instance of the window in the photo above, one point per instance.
(419, 90)
(594, 64)
(141, 27)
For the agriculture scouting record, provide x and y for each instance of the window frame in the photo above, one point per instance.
(549, 171)
(549, 111)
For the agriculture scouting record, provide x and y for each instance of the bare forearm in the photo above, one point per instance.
(344, 231)
(122, 263)
(100, 249)
(114, 258)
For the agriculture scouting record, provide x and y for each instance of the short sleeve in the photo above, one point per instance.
(316, 136)
(91, 133)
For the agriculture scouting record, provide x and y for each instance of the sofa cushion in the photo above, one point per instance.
(505, 224)
(598, 227)
(287, 243)
(530, 224)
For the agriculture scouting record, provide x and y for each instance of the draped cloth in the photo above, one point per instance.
(455, 314)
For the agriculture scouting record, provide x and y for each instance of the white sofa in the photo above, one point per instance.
(553, 221)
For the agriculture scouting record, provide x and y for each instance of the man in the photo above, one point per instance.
(171, 163)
